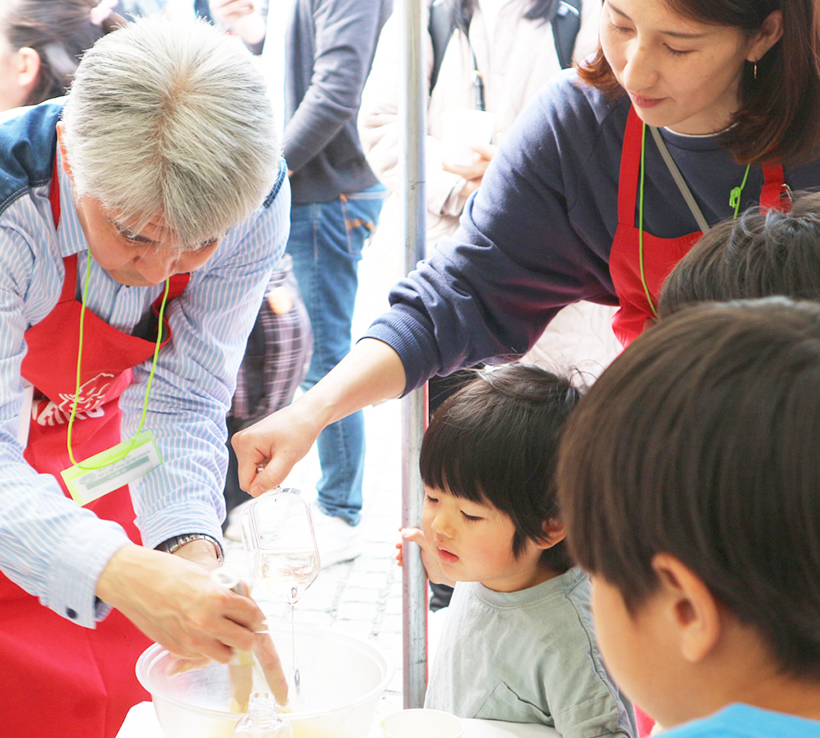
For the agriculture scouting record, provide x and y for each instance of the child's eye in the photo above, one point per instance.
(429, 498)
(471, 518)
(677, 52)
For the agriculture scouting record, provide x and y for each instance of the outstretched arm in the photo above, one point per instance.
(370, 373)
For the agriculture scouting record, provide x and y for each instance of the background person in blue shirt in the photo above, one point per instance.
(688, 487)
(317, 55)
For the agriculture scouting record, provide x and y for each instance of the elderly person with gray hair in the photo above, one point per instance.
(140, 220)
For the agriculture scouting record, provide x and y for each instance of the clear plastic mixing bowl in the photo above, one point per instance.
(342, 678)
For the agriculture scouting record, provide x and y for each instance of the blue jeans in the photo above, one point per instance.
(326, 240)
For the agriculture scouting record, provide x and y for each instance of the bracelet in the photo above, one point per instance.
(177, 542)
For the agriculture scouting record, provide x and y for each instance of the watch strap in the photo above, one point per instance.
(177, 542)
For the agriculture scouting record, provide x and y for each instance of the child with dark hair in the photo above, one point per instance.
(518, 643)
(763, 253)
(688, 485)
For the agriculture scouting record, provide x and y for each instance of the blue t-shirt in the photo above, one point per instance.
(743, 721)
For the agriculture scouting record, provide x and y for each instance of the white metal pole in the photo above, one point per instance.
(414, 411)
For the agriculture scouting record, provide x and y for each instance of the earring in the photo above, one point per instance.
(754, 70)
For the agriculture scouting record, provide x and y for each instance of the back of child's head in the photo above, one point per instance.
(702, 441)
(761, 254)
(496, 441)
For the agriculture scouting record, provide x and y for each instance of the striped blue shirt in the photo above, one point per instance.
(49, 545)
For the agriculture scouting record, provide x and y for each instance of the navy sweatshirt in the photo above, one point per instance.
(537, 234)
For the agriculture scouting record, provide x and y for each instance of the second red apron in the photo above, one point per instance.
(660, 255)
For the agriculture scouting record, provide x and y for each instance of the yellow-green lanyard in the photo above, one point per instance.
(734, 202)
(79, 372)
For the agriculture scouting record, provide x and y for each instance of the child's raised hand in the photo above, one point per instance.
(428, 555)
(400, 545)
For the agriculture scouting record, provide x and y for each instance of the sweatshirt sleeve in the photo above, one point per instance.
(346, 32)
(528, 244)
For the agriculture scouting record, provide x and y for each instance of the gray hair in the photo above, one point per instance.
(171, 121)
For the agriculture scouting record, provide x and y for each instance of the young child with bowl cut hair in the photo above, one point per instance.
(518, 643)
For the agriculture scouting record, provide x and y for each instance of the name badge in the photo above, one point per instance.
(113, 468)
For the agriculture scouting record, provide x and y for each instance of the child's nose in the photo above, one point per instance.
(442, 524)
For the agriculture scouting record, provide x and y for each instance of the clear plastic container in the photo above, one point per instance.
(342, 678)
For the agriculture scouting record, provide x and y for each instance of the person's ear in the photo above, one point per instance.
(61, 147)
(694, 612)
(769, 34)
(28, 67)
(553, 533)
(23, 74)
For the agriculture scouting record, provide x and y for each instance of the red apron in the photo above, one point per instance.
(660, 255)
(60, 679)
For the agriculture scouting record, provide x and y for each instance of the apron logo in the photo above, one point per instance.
(89, 401)
(91, 394)
(50, 413)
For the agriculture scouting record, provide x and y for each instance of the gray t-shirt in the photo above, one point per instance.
(527, 657)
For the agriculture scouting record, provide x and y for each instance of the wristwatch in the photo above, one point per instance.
(177, 542)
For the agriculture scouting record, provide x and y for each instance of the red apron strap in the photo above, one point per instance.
(69, 262)
(630, 169)
(69, 293)
(774, 194)
(177, 286)
(54, 194)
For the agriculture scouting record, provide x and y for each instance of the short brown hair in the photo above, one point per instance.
(779, 115)
(701, 440)
(761, 254)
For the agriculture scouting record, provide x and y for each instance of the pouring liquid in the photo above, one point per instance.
(287, 574)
